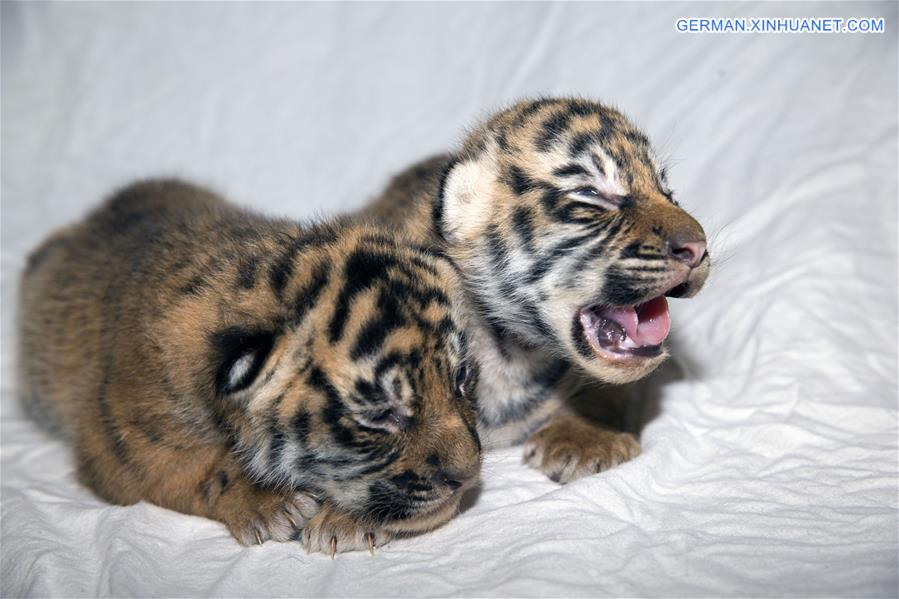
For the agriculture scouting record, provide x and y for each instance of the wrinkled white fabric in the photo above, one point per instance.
(770, 443)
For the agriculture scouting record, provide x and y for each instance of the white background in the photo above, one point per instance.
(770, 449)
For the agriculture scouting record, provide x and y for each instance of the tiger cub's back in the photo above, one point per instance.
(88, 283)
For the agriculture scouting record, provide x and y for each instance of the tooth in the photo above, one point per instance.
(610, 332)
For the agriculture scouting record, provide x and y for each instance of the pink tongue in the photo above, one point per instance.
(647, 325)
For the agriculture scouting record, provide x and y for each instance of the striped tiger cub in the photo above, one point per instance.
(565, 229)
(295, 383)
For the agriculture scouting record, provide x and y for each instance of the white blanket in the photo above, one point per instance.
(770, 439)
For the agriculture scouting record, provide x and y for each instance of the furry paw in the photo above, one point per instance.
(264, 516)
(572, 447)
(334, 532)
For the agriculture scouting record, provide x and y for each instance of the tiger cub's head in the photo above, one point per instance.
(343, 370)
(565, 226)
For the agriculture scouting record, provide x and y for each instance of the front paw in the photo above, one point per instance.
(335, 532)
(572, 447)
(261, 515)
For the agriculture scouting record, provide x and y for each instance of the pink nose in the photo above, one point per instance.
(690, 253)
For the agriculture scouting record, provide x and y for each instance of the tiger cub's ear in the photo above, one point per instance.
(466, 199)
(239, 356)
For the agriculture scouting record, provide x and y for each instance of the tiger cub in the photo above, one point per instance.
(293, 383)
(569, 241)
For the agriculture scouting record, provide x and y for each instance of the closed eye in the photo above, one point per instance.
(590, 192)
(386, 418)
(595, 198)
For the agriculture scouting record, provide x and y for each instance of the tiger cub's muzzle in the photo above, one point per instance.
(636, 328)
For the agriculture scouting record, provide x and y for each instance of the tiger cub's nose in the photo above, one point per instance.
(689, 252)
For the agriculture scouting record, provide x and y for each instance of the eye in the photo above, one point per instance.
(586, 191)
(386, 419)
(463, 380)
(591, 196)
(378, 404)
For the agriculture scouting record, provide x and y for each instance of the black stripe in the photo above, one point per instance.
(535, 319)
(578, 338)
(581, 142)
(388, 361)
(437, 209)
(549, 258)
(523, 223)
(551, 198)
(369, 393)
(388, 319)
(334, 408)
(552, 129)
(584, 107)
(361, 270)
(502, 140)
(636, 137)
(521, 183)
(637, 249)
(379, 465)
(276, 446)
(598, 164)
(499, 253)
(300, 426)
(571, 170)
(421, 295)
(308, 295)
(531, 109)
(423, 264)
(282, 269)
(620, 288)
(647, 269)
(494, 325)
(599, 248)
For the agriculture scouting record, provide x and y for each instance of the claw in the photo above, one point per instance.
(370, 537)
(333, 546)
(313, 497)
(258, 536)
(289, 519)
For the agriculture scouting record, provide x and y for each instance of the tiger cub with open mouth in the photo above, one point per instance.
(569, 241)
(295, 383)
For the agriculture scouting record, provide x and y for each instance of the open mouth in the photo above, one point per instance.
(626, 332)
